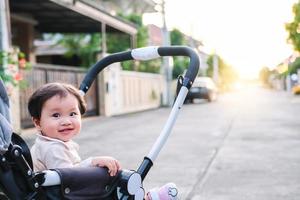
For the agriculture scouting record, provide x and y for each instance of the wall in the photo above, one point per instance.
(128, 91)
(114, 92)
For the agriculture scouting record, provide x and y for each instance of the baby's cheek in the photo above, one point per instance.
(79, 127)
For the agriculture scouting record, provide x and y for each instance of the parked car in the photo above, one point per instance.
(203, 88)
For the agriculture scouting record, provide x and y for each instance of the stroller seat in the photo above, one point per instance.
(19, 182)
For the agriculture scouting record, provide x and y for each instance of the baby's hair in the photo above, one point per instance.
(47, 91)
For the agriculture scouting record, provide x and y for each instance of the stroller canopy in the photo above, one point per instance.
(5, 127)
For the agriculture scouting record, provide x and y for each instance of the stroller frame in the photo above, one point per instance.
(18, 181)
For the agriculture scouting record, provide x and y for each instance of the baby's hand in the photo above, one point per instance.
(111, 163)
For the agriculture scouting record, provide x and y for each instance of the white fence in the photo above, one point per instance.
(127, 91)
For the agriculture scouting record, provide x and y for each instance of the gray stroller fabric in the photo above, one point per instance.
(91, 183)
(5, 134)
(5, 127)
(4, 101)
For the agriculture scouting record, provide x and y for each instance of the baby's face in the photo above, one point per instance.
(60, 118)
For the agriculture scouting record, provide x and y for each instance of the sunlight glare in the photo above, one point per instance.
(246, 34)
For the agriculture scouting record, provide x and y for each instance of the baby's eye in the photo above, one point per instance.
(55, 115)
(73, 114)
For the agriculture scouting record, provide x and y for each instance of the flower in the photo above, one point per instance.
(12, 65)
(18, 77)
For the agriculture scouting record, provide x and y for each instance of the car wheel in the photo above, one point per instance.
(211, 97)
(186, 101)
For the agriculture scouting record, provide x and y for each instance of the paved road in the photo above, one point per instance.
(244, 146)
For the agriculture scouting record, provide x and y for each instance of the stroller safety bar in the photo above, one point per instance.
(146, 53)
(129, 182)
(168, 126)
(51, 178)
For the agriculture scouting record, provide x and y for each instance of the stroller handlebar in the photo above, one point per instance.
(145, 53)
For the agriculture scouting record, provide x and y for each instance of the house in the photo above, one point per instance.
(29, 19)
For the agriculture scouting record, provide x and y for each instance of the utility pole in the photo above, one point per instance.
(167, 62)
(216, 68)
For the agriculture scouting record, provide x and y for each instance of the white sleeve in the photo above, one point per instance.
(85, 163)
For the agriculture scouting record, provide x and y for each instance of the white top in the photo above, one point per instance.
(50, 153)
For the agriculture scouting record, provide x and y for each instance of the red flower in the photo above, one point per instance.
(18, 77)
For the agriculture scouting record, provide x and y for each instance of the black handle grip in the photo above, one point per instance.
(193, 68)
(146, 53)
(100, 65)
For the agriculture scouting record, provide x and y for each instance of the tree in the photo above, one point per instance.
(152, 66)
(117, 42)
(180, 63)
(293, 28)
(227, 74)
(264, 75)
(177, 38)
(85, 46)
(294, 66)
(142, 34)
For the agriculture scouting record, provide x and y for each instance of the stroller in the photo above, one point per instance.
(18, 181)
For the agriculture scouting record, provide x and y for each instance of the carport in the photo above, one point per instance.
(29, 18)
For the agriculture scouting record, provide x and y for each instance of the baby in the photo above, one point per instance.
(56, 110)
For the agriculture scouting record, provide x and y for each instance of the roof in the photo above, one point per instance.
(46, 47)
(125, 6)
(68, 16)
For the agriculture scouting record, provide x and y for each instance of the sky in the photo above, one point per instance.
(247, 34)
